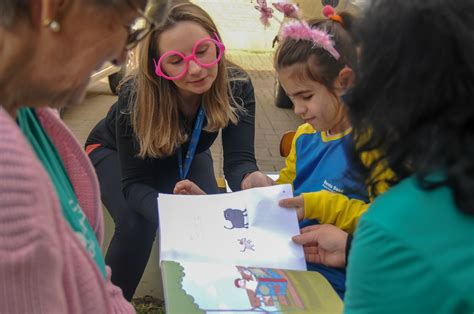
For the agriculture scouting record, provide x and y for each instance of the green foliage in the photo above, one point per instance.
(148, 305)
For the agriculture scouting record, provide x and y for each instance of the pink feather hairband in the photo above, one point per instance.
(302, 31)
(296, 29)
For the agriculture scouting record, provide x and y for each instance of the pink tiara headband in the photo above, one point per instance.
(299, 30)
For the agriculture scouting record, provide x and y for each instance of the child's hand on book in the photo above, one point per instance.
(295, 202)
(186, 187)
(323, 244)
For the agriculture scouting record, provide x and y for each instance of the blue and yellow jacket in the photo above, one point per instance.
(317, 168)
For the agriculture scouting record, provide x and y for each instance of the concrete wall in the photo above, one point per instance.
(240, 27)
(239, 24)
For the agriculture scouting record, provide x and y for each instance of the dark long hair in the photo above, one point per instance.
(414, 101)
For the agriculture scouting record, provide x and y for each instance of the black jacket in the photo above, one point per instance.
(143, 179)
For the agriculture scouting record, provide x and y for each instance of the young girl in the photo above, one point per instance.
(315, 64)
(160, 130)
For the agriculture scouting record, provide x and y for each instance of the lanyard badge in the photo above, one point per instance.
(184, 169)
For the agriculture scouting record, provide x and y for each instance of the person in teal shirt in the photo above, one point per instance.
(413, 250)
(418, 247)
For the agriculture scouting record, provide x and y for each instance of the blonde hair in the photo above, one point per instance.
(155, 117)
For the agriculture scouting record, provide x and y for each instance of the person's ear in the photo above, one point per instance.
(345, 79)
(49, 13)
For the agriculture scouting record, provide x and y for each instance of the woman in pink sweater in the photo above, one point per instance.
(51, 223)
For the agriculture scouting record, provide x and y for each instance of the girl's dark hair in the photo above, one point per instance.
(321, 66)
(413, 102)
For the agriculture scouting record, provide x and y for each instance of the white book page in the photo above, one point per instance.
(257, 232)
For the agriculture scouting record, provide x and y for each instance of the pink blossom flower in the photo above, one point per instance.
(288, 9)
(266, 13)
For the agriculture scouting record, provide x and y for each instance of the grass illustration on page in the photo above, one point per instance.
(221, 288)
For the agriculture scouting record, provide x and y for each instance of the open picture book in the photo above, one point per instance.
(233, 252)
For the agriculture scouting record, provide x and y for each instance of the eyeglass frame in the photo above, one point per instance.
(192, 56)
(132, 42)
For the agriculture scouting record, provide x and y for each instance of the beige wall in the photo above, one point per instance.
(239, 24)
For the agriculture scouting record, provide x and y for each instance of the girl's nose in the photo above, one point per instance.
(298, 108)
(193, 67)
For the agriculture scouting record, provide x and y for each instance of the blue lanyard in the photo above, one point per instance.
(183, 173)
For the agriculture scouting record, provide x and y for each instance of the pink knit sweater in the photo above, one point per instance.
(43, 266)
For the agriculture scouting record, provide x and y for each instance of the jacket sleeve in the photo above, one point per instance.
(334, 208)
(137, 179)
(31, 264)
(338, 209)
(238, 140)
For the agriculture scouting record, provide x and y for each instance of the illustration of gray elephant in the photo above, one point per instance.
(237, 217)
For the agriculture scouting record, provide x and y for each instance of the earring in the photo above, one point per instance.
(52, 25)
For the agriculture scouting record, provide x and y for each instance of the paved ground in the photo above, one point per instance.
(271, 122)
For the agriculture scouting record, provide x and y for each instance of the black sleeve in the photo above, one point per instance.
(348, 246)
(239, 139)
(137, 179)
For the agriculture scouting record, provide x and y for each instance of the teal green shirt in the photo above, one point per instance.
(413, 252)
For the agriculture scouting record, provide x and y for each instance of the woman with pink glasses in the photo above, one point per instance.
(159, 132)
